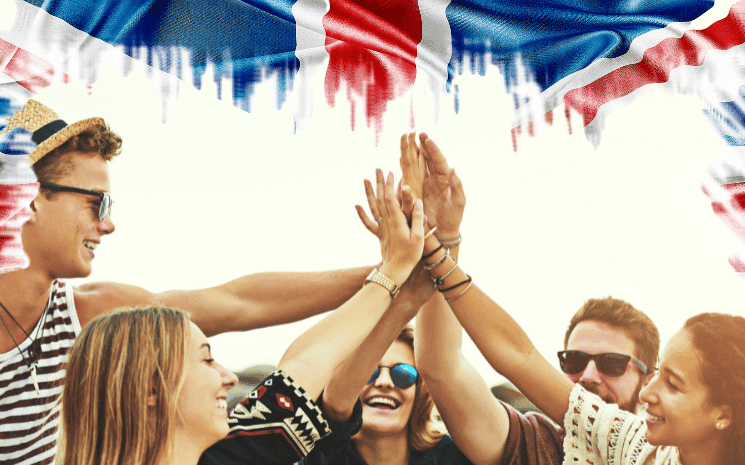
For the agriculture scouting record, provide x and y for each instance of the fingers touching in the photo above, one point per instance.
(413, 164)
(436, 162)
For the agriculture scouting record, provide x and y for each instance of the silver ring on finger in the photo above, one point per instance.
(379, 219)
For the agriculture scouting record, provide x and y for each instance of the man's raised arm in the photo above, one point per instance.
(250, 302)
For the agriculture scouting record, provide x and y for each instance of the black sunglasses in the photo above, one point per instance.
(403, 375)
(104, 207)
(574, 362)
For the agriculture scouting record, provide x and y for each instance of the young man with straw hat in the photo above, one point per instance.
(42, 315)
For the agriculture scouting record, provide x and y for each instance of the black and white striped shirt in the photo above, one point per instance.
(28, 422)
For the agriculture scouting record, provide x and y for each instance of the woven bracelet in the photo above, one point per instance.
(457, 285)
(431, 253)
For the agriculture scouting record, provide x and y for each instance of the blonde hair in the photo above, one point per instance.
(425, 431)
(123, 376)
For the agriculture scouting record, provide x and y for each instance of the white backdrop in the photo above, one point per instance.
(216, 193)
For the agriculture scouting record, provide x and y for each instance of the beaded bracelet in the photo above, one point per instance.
(441, 279)
(432, 253)
(457, 285)
(438, 262)
(453, 239)
(456, 240)
(459, 295)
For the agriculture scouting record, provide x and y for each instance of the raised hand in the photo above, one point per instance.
(413, 164)
(405, 196)
(444, 199)
(400, 244)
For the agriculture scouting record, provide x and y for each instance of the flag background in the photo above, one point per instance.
(217, 192)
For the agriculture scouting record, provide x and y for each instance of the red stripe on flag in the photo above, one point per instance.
(372, 49)
(28, 70)
(658, 62)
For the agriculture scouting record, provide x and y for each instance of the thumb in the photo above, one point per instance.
(456, 187)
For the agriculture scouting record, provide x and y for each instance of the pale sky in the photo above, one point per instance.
(216, 193)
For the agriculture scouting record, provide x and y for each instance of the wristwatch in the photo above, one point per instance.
(379, 278)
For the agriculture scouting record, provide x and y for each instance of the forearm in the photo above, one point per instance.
(284, 297)
(437, 341)
(463, 398)
(318, 353)
(313, 358)
(267, 299)
(348, 380)
(502, 341)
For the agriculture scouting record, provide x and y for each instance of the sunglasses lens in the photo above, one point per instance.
(374, 375)
(613, 364)
(404, 376)
(574, 362)
(105, 209)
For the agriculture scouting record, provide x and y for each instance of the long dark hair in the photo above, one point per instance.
(721, 340)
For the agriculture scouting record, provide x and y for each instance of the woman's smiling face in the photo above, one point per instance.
(202, 401)
(386, 409)
(679, 410)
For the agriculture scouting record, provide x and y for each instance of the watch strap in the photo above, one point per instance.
(381, 279)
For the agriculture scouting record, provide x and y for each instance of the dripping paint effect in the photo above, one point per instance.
(412, 125)
(18, 187)
(372, 49)
(515, 132)
(549, 117)
(456, 99)
(569, 119)
(352, 111)
(724, 185)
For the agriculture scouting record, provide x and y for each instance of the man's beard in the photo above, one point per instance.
(629, 406)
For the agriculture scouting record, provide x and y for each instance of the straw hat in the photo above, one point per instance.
(48, 130)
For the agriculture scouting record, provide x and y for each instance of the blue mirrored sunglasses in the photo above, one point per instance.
(104, 207)
(403, 375)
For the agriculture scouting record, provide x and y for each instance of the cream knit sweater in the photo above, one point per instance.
(602, 434)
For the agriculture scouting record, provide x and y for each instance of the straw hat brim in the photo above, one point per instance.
(63, 135)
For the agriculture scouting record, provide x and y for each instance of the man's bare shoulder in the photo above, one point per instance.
(100, 298)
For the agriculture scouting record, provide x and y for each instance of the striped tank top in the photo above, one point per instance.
(28, 421)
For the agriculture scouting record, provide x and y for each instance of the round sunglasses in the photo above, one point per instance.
(104, 206)
(403, 375)
(574, 362)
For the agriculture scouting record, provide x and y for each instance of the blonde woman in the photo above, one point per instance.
(142, 387)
